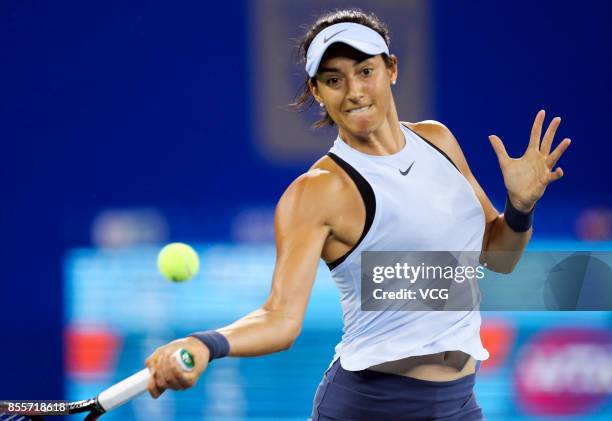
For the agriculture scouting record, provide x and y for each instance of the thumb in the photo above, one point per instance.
(498, 147)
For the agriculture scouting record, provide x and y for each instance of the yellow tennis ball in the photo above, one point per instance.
(178, 262)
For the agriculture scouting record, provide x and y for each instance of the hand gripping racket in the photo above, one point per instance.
(109, 399)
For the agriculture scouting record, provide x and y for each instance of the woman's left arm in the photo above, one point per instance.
(526, 178)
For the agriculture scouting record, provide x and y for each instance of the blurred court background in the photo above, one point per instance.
(126, 125)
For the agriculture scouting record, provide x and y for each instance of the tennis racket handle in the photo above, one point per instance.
(184, 359)
(125, 390)
(136, 384)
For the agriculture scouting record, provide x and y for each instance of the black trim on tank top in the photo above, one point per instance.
(369, 200)
(434, 146)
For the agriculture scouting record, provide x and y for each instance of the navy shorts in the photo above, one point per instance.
(368, 395)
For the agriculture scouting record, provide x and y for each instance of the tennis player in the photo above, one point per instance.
(384, 185)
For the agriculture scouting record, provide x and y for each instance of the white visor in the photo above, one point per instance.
(358, 36)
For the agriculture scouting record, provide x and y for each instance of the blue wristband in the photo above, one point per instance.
(517, 221)
(216, 343)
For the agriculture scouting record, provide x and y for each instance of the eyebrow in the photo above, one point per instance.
(333, 69)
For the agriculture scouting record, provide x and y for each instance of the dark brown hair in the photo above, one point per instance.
(304, 98)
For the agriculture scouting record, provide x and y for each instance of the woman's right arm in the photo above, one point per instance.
(301, 229)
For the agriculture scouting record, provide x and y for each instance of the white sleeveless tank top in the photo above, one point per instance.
(431, 208)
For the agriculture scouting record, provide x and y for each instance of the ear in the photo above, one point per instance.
(392, 70)
(314, 91)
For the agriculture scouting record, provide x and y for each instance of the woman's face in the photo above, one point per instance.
(355, 88)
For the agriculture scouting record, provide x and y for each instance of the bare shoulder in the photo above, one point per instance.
(316, 194)
(321, 180)
(434, 131)
(440, 135)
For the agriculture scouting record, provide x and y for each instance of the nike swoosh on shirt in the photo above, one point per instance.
(408, 170)
(325, 39)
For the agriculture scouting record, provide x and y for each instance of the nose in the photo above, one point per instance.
(354, 91)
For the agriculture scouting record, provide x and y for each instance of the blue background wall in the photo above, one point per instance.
(146, 104)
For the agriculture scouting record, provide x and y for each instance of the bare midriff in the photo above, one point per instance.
(439, 367)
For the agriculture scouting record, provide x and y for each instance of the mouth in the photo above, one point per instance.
(359, 110)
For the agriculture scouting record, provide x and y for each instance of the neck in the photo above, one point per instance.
(386, 139)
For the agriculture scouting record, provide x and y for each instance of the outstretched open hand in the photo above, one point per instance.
(527, 177)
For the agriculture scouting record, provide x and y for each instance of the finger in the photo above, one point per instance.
(181, 377)
(549, 135)
(162, 372)
(536, 129)
(150, 362)
(158, 372)
(173, 383)
(552, 159)
(173, 378)
(555, 175)
(152, 387)
(499, 148)
(168, 375)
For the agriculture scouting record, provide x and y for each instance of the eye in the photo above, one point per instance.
(332, 81)
(367, 71)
